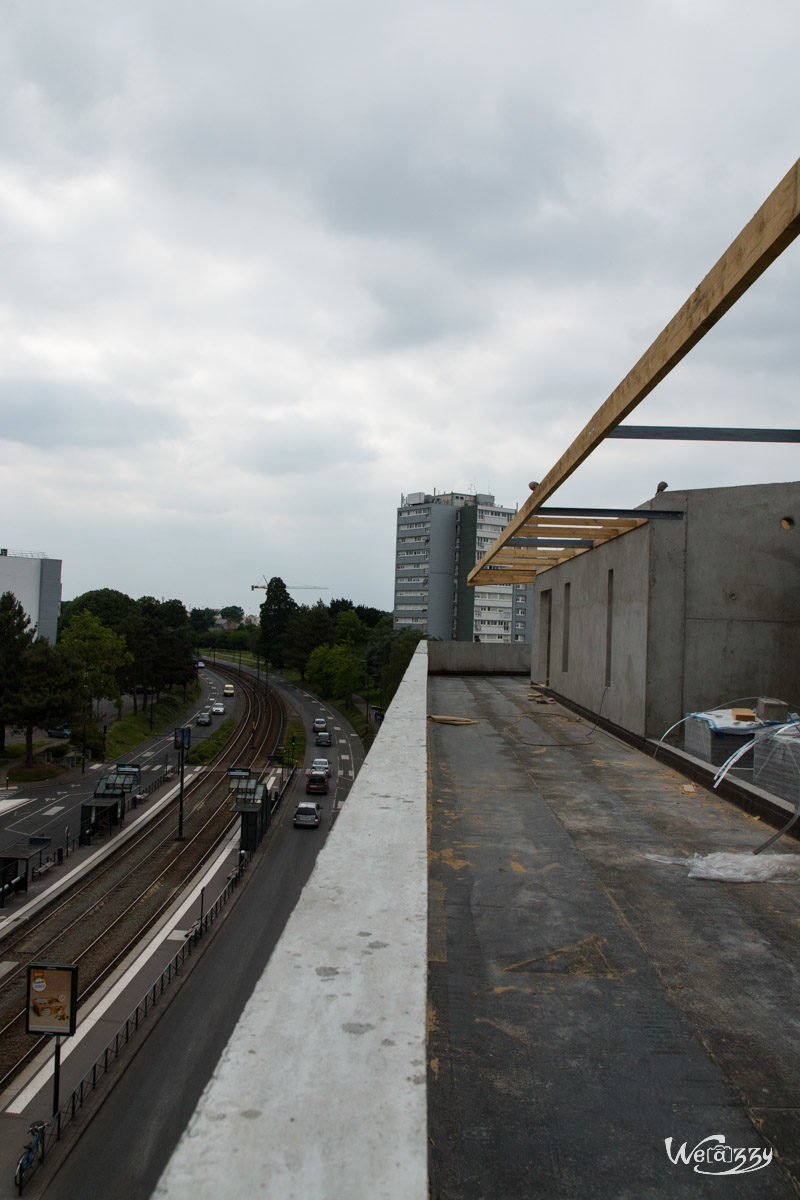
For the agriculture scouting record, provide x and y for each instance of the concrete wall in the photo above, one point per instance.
(743, 605)
(472, 658)
(704, 611)
(465, 595)
(440, 565)
(597, 660)
(49, 597)
(321, 1091)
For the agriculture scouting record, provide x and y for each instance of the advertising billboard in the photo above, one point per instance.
(52, 1005)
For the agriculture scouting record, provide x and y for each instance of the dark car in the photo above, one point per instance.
(60, 732)
(323, 738)
(203, 718)
(317, 782)
(308, 812)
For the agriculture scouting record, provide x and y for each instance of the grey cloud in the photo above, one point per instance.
(303, 445)
(62, 415)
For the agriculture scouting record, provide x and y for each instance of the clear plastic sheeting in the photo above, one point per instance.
(731, 866)
(769, 743)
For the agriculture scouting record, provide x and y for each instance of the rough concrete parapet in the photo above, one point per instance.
(321, 1090)
(479, 658)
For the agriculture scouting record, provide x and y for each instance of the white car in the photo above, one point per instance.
(321, 764)
(218, 708)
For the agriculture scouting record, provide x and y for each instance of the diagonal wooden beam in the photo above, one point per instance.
(763, 239)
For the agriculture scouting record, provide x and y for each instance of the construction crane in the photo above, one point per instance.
(297, 587)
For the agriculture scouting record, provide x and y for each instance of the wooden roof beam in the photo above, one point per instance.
(763, 239)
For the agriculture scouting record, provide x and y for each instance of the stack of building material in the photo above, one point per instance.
(776, 763)
(718, 733)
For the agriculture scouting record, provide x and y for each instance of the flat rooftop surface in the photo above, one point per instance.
(587, 1002)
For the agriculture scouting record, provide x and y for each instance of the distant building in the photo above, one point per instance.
(439, 539)
(35, 581)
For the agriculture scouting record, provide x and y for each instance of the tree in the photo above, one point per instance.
(341, 604)
(16, 635)
(49, 691)
(232, 612)
(334, 671)
(98, 653)
(350, 630)
(372, 617)
(173, 614)
(401, 652)
(148, 606)
(202, 619)
(108, 605)
(308, 628)
(276, 611)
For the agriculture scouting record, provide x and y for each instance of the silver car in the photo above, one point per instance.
(308, 812)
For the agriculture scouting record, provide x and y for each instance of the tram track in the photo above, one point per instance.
(104, 915)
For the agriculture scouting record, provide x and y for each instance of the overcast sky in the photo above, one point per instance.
(269, 264)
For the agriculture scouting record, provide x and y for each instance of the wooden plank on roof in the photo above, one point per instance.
(595, 532)
(761, 241)
(514, 575)
(566, 523)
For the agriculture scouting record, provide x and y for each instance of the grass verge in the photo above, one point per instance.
(131, 731)
(203, 752)
(37, 773)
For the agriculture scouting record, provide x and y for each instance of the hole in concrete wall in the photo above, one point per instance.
(787, 522)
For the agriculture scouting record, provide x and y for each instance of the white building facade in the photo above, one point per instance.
(440, 537)
(35, 582)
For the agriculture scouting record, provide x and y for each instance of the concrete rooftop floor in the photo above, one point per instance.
(586, 1002)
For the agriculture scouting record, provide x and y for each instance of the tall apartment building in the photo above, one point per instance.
(35, 582)
(440, 537)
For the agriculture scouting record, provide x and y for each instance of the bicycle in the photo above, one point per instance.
(26, 1159)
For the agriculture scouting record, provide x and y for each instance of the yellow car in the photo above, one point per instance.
(228, 689)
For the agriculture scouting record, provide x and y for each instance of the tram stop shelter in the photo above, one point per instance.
(15, 865)
(101, 813)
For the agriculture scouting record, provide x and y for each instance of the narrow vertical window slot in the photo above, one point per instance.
(609, 626)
